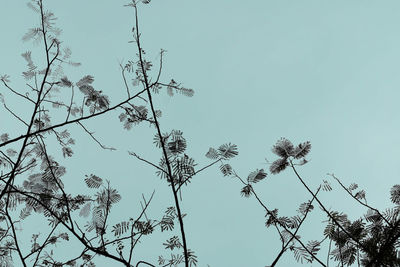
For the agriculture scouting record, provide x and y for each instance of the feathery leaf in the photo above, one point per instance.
(93, 181)
(256, 176)
(278, 165)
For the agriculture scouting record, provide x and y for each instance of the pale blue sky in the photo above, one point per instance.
(324, 71)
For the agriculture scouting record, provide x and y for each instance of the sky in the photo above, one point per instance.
(320, 71)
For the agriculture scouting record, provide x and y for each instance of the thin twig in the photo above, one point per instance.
(15, 115)
(15, 92)
(174, 192)
(326, 211)
(200, 170)
(71, 102)
(297, 229)
(146, 161)
(132, 234)
(18, 249)
(362, 203)
(270, 213)
(50, 165)
(94, 138)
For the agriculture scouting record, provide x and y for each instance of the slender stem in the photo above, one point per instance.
(70, 105)
(329, 252)
(270, 213)
(40, 249)
(94, 138)
(103, 230)
(202, 169)
(364, 204)
(146, 161)
(15, 115)
(18, 249)
(132, 234)
(174, 192)
(15, 92)
(294, 234)
(326, 211)
(126, 84)
(44, 150)
(340, 249)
